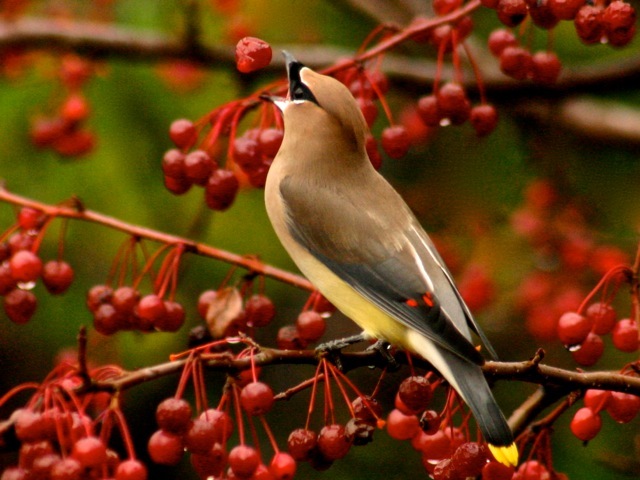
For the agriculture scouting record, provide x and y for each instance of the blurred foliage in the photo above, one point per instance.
(462, 187)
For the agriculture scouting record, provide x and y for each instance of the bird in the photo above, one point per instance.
(356, 240)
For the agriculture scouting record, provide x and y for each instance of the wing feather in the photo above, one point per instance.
(388, 266)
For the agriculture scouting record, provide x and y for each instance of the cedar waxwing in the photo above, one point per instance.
(356, 240)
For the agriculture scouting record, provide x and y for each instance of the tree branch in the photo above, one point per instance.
(78, 212)
(101, 40)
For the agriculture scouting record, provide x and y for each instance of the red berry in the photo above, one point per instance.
(183, 133)
(443, 7)
(428, 110)
(28, 425)
(243, 460)
(198, 166)
(131, 470)
(259, 310)
(42, 465)
(177, 186)
(256, 398)
(469, 458)
(542, 15)
(395, 141)
(573, 328)
(436, 446)
(26, 266)
(623, 407)
(30, 218)
(415, 392)
(625, 335)
(90, 451)
(20, 305)
(618, 17)
(367, 409)
(75, 108)
(21, 241)
(401, 426)
(602, 316)
(174, 318)
(270, 140)
(282, 466)
(565, 9)
(516, 62)
(333, 443)
(221, 189)
(165, 448)
(311, 326)
(252, 54)
(288, 338)
(590, 350)
(596, 400)
(511, 12)
(430, 422)
(68, 469)
(75, 143)
(453, 103)
(173, 164)
(173, 415)
(7, 282)
(246, 153)
(200, 436)
(588, 24)
(444, 470)
(497, 471)
(107, 320)
(151, 308)
(586, 424)
(484, 119)
(57, 276)
(15, 473)
(45, 131)
(301, 443)
(545, 67)
(211, 464)
(532, 470)
(221, 422)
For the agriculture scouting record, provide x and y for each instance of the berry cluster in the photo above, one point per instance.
(21, 267)
(59, 440)
(610, 22)
(447, 454)
(125, 308)
(517, 62)
(65, 130)
(581, 330)
(621, 407)
(207, 435)
(567, 253)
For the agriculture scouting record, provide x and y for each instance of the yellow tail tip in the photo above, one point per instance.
(506, 455)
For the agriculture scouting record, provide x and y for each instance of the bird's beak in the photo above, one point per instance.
(293, 74)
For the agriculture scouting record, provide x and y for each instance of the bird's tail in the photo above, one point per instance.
(468, 380)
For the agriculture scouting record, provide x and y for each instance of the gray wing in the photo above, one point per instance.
(387, 264)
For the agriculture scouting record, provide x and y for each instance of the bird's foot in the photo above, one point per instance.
(383, 349)
(333, 348)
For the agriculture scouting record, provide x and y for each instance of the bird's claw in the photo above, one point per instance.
(382, 347)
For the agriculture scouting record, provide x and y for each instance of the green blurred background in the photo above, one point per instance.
(463, 187)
